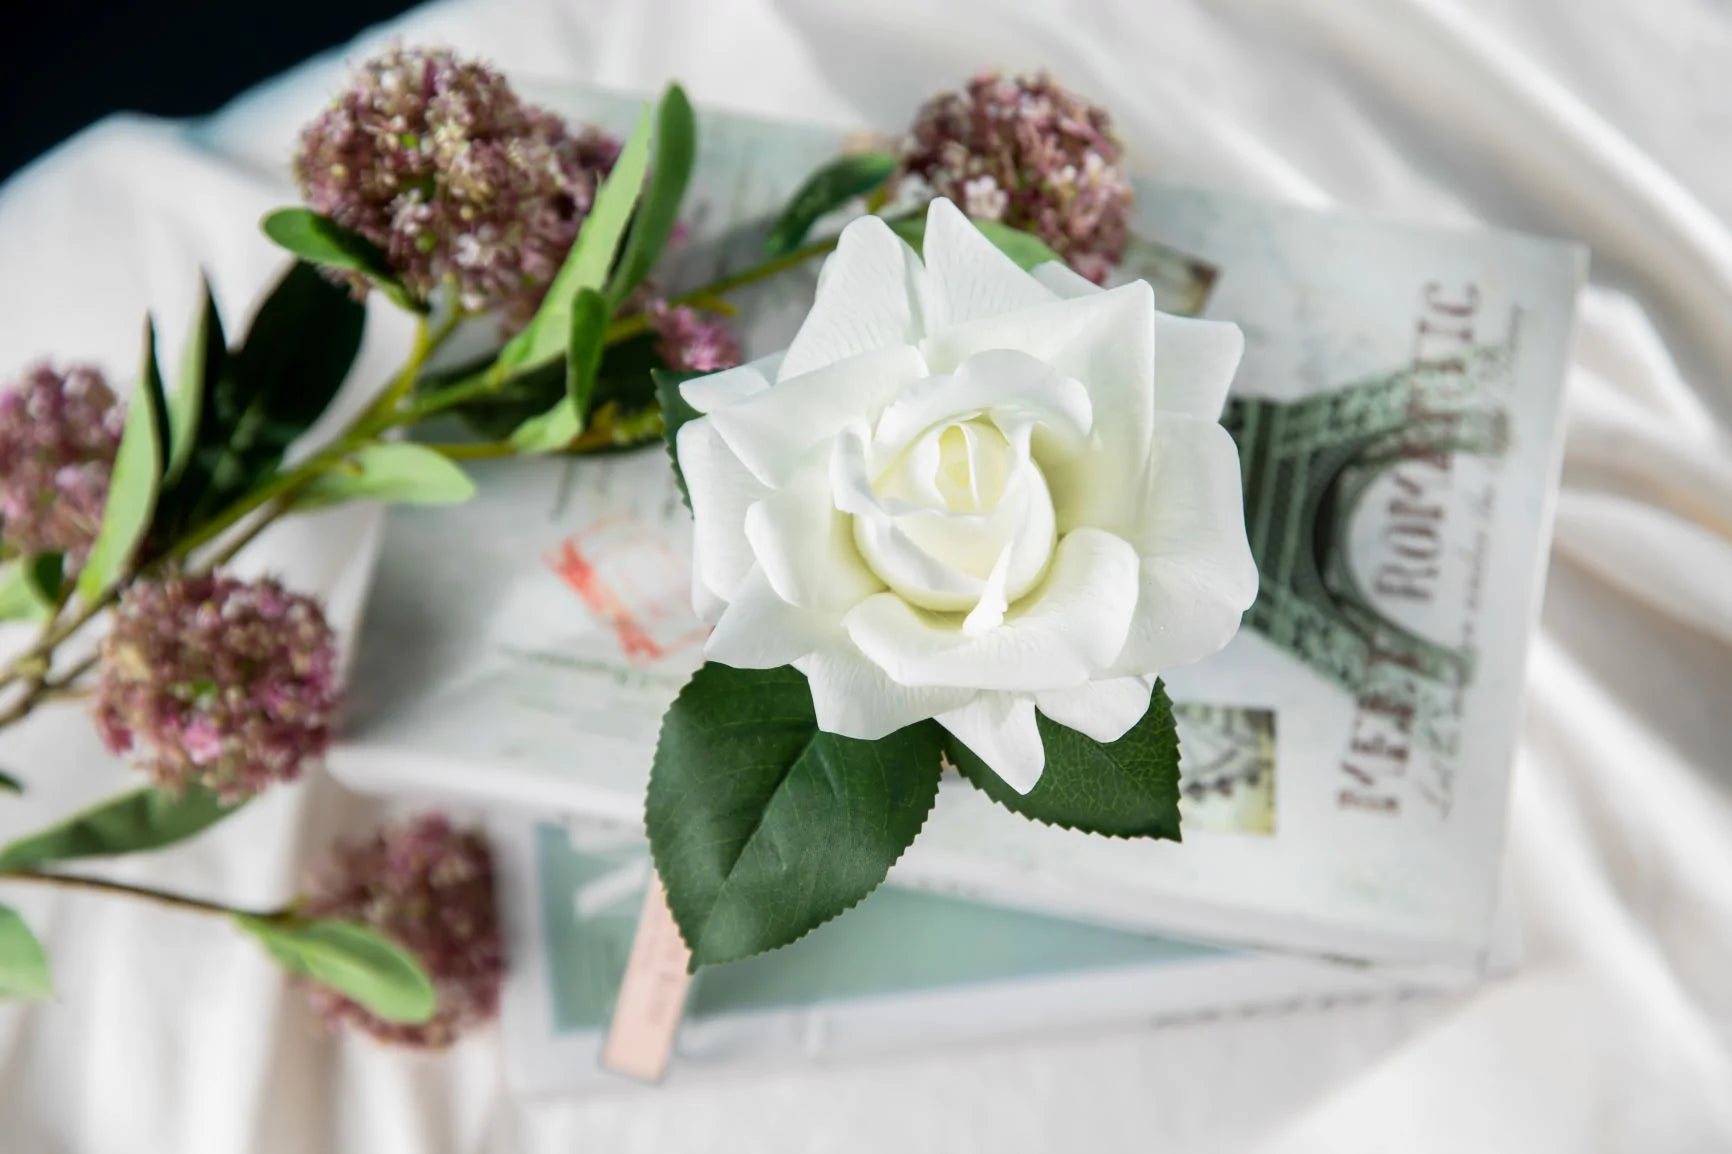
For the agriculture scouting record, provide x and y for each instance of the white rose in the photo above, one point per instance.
(969, 492)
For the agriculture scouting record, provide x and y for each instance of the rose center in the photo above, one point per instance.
(962, 518)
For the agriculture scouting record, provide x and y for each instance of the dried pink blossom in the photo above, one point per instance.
(217, 682)
(691, 342)
(435, 159)
(1032, 155)
(59, 432)
(429, 887)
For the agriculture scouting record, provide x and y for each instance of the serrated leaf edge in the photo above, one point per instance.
(656, 859)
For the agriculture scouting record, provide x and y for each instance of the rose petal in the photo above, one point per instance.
(771, 431)
(706, 394)
(705, 604)
(1064, 281)
(988, 612)
(1194, 364)
(759, 630)
(1100, 710)
(1197, 573)
(914, 573)
(1107, 342)
(1057, 637)
(997, 380)
(806, 545)
(867, 299)
(967, 277)
(999, 728)
(854, 698)
(721, 489)
(937, 559)
(1194, 359)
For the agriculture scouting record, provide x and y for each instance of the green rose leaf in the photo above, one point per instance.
(10, 784)
(548, 334)
(30, 586)
(826, 190)
(762, 825)
(317, 239)
(272, 389)
(145, 819)
(1026, 249)
(670, 168)
(397, 472)
(353, 959)
(676, 411)
(1125, 788)
(134, 482)
(23, 968)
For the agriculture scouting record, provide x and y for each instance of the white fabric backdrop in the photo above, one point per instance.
(1602, 119)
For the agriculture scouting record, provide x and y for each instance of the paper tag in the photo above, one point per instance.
(652, 995)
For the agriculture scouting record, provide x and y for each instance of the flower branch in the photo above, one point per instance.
(137, 893)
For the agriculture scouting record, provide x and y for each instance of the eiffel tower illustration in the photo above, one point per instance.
(1307, 466)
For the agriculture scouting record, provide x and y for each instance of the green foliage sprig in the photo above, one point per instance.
(762, 825)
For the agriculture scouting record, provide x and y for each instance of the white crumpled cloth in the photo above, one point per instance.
(1602, 119)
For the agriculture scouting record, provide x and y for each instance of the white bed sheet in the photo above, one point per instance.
(1608, 120)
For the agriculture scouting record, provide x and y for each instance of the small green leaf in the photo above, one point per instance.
(23, 968)
(676, 411)
(1026, 249)
(553, 430)
(30, 586)
(288, 369)
(762, 825)
(586, 266)
(10, 784)
(589, 314)
(670, 168)
(133, 483)
(356, 961)
(548, 432)
(299, 348)
(1125, 788)
(19, 600)
(145, 819)
(398, 473)
(46, 573)
(826, 190)
(319, 240)
(202, 362)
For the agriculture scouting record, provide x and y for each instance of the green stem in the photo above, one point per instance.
(638, 323)
(384, 413)
(282, 485)
(427, 342)
(622, 329)
(138, 893)
(473, 450)
(45, 688)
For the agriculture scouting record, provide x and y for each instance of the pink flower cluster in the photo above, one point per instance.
(59, 432)
(692, 343)
(435, 159)
(1028, 153)
(217, 682)
(429, 887)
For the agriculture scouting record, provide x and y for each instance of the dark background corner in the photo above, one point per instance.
(67, 63)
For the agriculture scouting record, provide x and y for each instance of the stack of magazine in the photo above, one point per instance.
(1346, 759)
